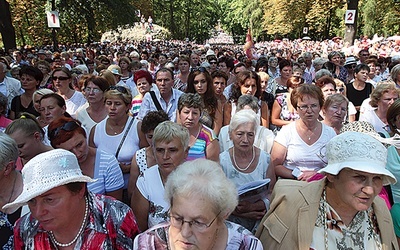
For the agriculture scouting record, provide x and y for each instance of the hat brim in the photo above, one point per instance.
(24, 197)
(363, 166)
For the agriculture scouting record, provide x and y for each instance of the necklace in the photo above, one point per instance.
(237, 166)
(325, 221)
(114, 130)
(311, 132)
(53, 239)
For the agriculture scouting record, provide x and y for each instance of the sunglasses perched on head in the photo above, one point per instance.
(120, 89)
(201, 69)
(69, 126)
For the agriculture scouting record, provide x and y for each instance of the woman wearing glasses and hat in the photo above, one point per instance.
(64, 214)
(201, 198)
(340, 211)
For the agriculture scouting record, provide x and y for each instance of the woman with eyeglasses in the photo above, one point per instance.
(339, 71)
(334, 111)
(283, 111)
(297, 152)
(117, 134)
(62, 80)
(67, 133)
(247, 83)
(382, 97)
(200, 198)
(200, 82)
(93, 89)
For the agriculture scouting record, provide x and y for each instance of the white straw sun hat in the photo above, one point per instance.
(357, 151)
(45, 172)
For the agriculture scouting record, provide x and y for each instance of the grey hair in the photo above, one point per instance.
(8, 150)
(41, 92)
(190, 100)
(322, 72)
(247, 100)
(395, 72)
(242, 117)
(202, 178)
(307, 55)
(319, 61)
(168, 130)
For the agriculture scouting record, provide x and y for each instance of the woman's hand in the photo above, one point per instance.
(306, 175)
(125, 167)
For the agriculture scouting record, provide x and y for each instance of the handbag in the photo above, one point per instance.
(155, 101)
(123, 138)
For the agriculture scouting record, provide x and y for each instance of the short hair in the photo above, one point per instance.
(332, 54)
(43, 63)
(63, 135)
(241, 78)
(378, 92)
(125, 97)
(59, 100)
(164, 69)
(371, 60)
(284, 63)
(100, 82)
(168, 130)
(203, 178)
(360, 67)
(391, 116)
(8, 150)
(26, 124)
(394, 72)
(244, 116)
(143, 74)
(319, 61)
(335, 98)
(228, 61)
(263, 75)
(306, 90)
(3, 66)
(294, 80)
(183, 58)
(152, 119)
(247, 100)
(190, 100)
(108, 75)
(322, 72)
(220, 73)
(262, 62)
(3, 103)
(124, 59)
(321, 82)
(41, 92)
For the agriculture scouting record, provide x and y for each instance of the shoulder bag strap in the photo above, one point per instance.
(153, 96)
(123, 138)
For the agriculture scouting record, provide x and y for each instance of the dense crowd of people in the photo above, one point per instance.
(174, 145)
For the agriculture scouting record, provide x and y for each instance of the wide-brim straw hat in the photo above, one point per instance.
(45, 172)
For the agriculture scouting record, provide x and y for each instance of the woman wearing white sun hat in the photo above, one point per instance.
(340, 211)
(64, 214)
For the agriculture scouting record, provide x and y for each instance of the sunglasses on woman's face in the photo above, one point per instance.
(61, 78)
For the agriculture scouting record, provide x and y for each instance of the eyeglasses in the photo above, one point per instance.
(313, 107)
(212, 62)
(121, 89)
(61, 78)
(89, 90)
(201, 69)
(69, 126)
(178, 222)
(364, 54)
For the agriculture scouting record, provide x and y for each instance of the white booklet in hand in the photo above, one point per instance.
(254, 191)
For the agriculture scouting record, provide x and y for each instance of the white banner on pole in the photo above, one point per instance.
(53, 20)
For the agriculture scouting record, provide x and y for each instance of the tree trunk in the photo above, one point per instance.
(7, 30)
(351, 29)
